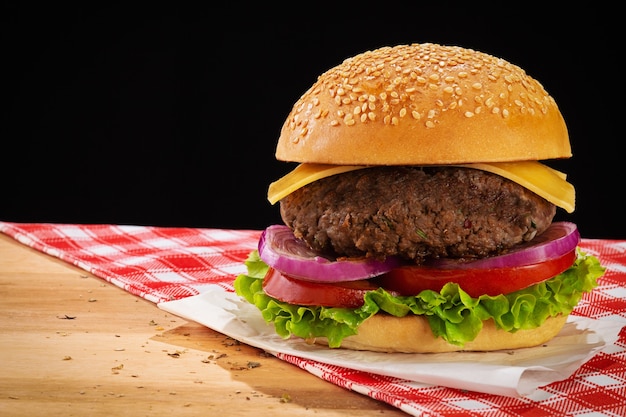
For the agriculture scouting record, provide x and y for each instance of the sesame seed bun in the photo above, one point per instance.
(423, 104)
(412, 334)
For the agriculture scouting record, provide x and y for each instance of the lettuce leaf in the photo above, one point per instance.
(451, 313)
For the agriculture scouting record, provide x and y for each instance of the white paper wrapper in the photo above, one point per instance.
(511, 373)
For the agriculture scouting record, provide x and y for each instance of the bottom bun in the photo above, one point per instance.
(412, 334)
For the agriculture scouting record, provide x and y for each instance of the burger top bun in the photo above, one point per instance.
(423, 104)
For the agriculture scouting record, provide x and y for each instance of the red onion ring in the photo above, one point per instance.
(280, 249)
(557, 240)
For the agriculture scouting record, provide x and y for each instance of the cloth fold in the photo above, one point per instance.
(163, 265)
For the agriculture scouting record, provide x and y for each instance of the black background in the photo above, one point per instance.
(168, 115)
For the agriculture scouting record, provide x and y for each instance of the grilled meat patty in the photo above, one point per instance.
(416, 213)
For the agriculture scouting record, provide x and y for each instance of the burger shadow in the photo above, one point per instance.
(265, 374)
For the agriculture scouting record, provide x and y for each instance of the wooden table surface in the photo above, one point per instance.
(72, 344)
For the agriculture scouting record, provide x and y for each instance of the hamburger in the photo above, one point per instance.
(419, 213)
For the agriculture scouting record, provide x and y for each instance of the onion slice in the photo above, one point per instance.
(557, 240)
(280, 249)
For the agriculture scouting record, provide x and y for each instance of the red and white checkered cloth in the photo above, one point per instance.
(165, 264)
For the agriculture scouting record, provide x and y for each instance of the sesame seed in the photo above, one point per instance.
(388, 83)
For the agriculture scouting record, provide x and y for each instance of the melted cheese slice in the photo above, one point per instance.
(538, 178)
(302, 175)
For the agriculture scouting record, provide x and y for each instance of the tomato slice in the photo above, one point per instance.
(300, 292)
(410, 280)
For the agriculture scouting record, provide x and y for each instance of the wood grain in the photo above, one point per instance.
(73, 344)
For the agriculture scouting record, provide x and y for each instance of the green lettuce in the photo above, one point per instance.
(451, 313)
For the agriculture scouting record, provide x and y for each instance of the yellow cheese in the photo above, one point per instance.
(302, 175)
(538, 178)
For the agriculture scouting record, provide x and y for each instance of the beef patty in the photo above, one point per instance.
(416, 213)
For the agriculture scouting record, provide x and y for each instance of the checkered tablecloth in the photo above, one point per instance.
(165, 264)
